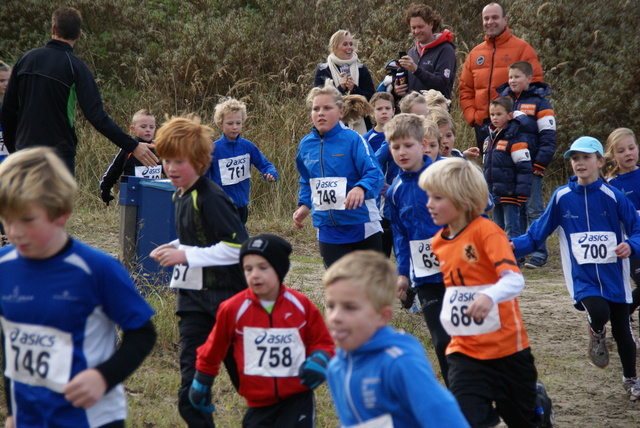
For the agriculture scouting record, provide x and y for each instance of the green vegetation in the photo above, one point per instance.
(181, 56)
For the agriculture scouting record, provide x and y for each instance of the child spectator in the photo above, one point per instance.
(234, 155)
(593, 220)
(279, 340)
(624, 175)
(68, 295)
(447, 128)
(433, 139)
(530, 99)
(339, 181)
(383, 110)
(413, 228)
(205, 255)
(414, 102)
(379, 377)
(507, 166)
(5, 73)
(489, 356)
(143, 127)
(436, 99)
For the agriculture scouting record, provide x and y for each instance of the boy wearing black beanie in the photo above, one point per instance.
(281, 343)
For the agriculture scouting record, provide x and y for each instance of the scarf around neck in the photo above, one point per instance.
(335, 63)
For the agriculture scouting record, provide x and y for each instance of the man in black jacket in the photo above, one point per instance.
(45, 84)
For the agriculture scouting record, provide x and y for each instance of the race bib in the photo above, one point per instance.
(272, 352)
(594, 247)
(152, 172)
(37, 355)
(329, 193)
(234, 170)
(424, 261)
(185, 277)
(454, 316)
(384, 421)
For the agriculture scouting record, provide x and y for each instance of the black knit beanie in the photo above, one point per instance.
(273, 248)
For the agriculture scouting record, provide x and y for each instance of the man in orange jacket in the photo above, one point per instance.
(486, 68)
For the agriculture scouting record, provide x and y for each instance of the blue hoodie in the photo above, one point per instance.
(586, 214)
(391, 375)
(411, 221)
(339, 153)
(235, 158)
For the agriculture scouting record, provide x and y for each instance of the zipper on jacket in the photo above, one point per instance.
(493, 57)
(275, 379)
(586, 204)
(323, 175)
(347, 386)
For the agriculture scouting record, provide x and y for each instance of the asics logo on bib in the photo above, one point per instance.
(593, 238)
(273, 338)
(424, 247)
(327, 184)
(46, 341)
(466, 296)
(236, 161)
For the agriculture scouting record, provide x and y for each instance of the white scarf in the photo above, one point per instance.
(335, 62)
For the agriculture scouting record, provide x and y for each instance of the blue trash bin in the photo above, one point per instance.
(147, 219)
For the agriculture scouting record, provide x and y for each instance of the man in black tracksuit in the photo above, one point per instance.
(45, 83)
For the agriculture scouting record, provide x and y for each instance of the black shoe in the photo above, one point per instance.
(544, 408)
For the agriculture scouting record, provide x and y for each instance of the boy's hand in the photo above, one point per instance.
(314, 369)
(9, 423)
(200, 392)
(480, 307)
(145, 155)
(623, 250)
(403, 285)
(299, 215)
(355, 198)
(471, 153)
(106, 196)
(168, 255)
(269, 178)
(85, 389)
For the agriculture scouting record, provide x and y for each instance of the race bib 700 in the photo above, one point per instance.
(594, 247)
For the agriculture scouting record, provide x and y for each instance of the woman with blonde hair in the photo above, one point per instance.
(343, 68)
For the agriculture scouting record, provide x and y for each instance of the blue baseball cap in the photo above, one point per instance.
(585, 145)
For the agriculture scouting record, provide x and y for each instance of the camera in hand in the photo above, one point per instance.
(344, 68)
(401, 74)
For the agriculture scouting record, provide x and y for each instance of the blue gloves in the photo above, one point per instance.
(200, 392)
(314, 369)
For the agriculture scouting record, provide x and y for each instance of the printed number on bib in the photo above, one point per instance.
(383, 421)
(454, 316)
(424, 261)
(328, 193)
(37, 355)
(594, 247)
(185, 277)
(234, 170)
(152, 172)
(272, 352)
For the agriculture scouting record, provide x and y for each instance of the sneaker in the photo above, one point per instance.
(535, 263)
(632, 386)
(598, 352)
(544, 408)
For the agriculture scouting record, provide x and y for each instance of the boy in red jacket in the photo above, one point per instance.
(281, 343)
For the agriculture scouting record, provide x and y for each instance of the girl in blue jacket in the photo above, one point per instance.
(339, 181)
(592, 220)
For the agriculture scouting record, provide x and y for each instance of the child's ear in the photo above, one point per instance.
(386, 312)
(132, 128)
(529, 79)
(423, 145)
(62, 220)
(510, 116)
